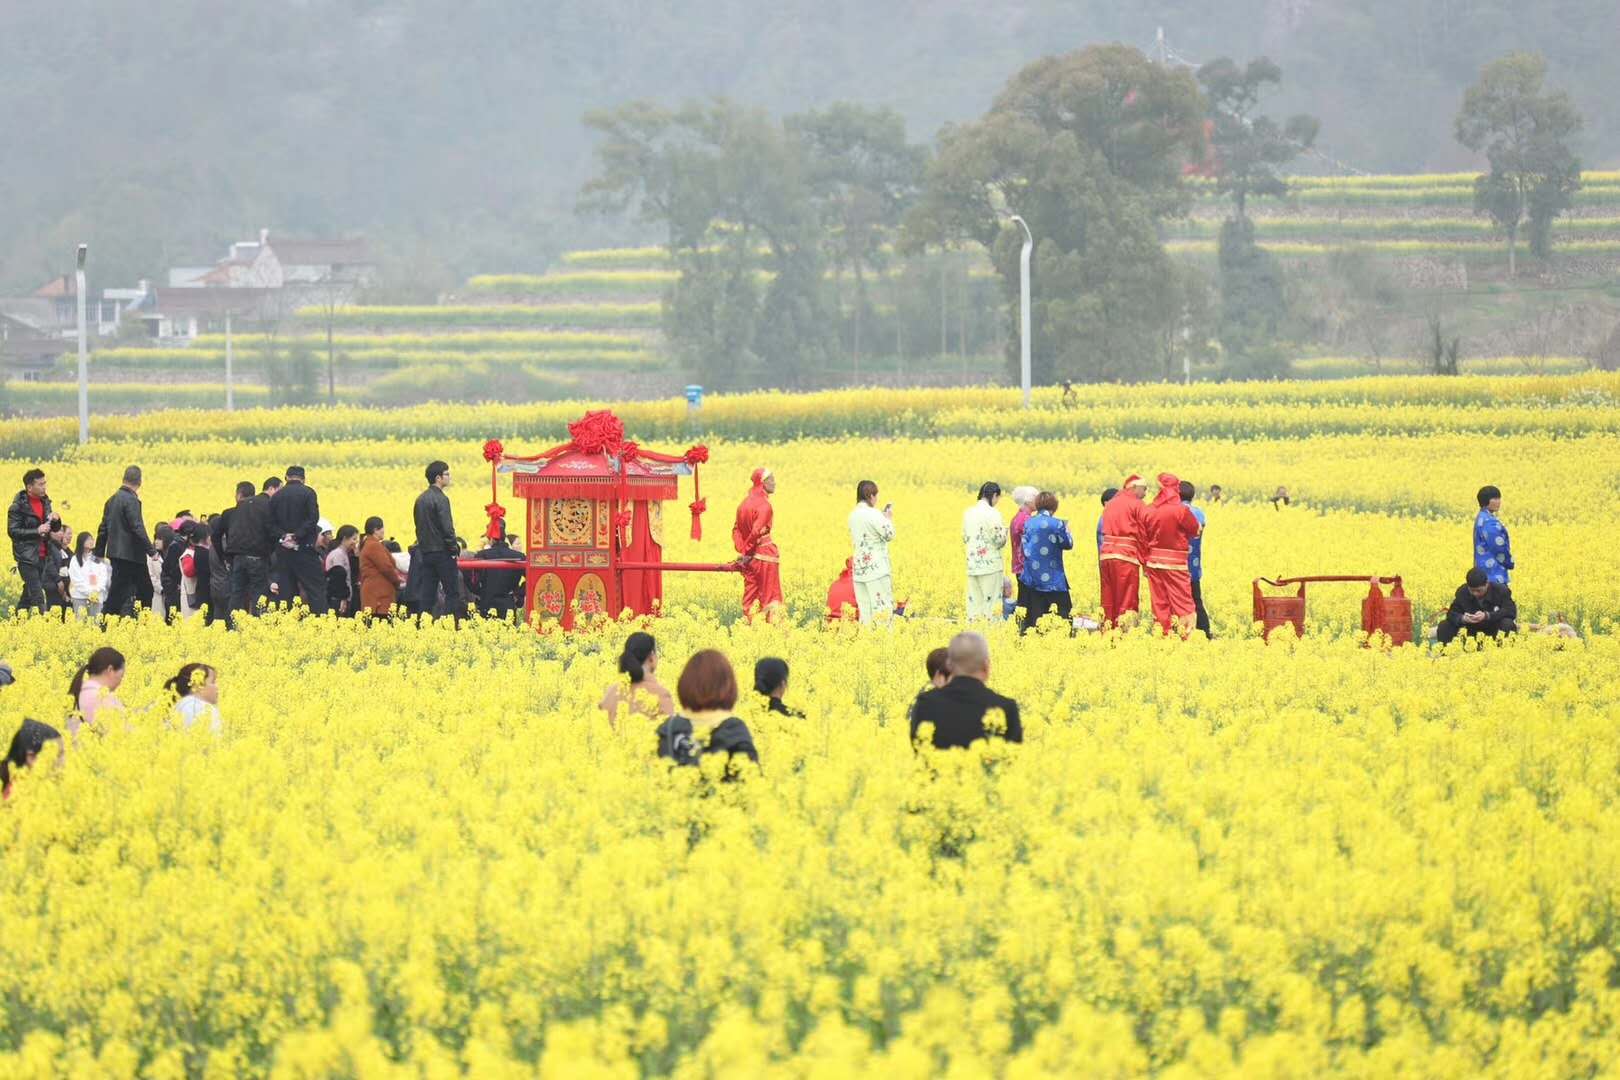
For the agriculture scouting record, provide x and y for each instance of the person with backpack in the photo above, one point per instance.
(706, 724)
(196, 570)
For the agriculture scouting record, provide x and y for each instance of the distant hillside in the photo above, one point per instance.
(450, 132)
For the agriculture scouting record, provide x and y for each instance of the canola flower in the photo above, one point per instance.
(424, 851)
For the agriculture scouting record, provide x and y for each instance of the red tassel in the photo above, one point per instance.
(698, 505)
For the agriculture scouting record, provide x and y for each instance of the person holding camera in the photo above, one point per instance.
(870, 532)
(32, 527)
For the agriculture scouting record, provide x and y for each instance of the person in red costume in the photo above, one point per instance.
(1124, 544)
(1170, 525)
(751, 536)
(841, 595)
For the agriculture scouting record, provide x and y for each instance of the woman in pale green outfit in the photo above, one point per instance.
(984, 534)
(870, 531)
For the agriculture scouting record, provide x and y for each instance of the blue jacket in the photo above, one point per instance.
(1046, 538)
(1195, 547)
(1492, 552)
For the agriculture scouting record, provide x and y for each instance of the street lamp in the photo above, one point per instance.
(1023, 305)
(84, 358)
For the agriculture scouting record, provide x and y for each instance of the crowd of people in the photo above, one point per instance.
(271, 546)
(1162, 539)
(955, 709)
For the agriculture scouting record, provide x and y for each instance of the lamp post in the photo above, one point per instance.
(1023, 306)
(84, 357)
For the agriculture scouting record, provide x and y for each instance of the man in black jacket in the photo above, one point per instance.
(250, 539)
(29, 524)
(499, 591)
(1479, 607)
(958, 709)
(436, 545)
(295, 515)
(121, 540)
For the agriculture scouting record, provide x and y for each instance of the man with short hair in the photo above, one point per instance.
(295, 517)
(435, 545)
(1195, 558)
(29, 524)
(1492, 552)
(960, 709)
(1481, 606)
(250, 542)
(500, 591)
(121, 540)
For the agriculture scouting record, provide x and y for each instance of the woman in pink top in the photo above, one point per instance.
(1024, 497)
(94, 687)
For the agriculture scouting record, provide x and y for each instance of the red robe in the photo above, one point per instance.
(643, 589)
(1170, 525)
(1124, 526)
(751, 536)
(842, 594)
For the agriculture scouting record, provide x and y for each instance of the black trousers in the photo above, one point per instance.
(130, 584)
(439, 569)
(35, 586)
(298, 573)
(250, 582)
(1448, 631)
(1198, 606)
(1042, 602)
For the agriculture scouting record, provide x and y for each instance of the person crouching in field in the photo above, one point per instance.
(1481, 607)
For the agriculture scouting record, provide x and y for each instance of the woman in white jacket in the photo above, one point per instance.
(870, 531)
(984, 534)
(87, 577)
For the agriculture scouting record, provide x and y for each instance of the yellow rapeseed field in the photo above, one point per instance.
(424, 852)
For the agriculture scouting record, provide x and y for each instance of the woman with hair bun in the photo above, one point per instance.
(641, 694)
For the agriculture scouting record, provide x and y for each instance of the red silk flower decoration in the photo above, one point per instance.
(629, 452)
(597, 432)
(493, 450)
(697, 455)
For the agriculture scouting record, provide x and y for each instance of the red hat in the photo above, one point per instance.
(1134, 478)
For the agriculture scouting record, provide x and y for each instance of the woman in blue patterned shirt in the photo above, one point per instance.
(1492, 553)
(1046, 538)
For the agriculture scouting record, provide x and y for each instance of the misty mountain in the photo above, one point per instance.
(450, 133)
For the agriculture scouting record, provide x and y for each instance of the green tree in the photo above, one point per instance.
(863, 176)
(1088, 148)
(1525, 132)
(1248, 149)
(1254, 305)
(732, 190)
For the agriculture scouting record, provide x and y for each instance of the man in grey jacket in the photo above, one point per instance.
(436, 545)
(122, 540)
